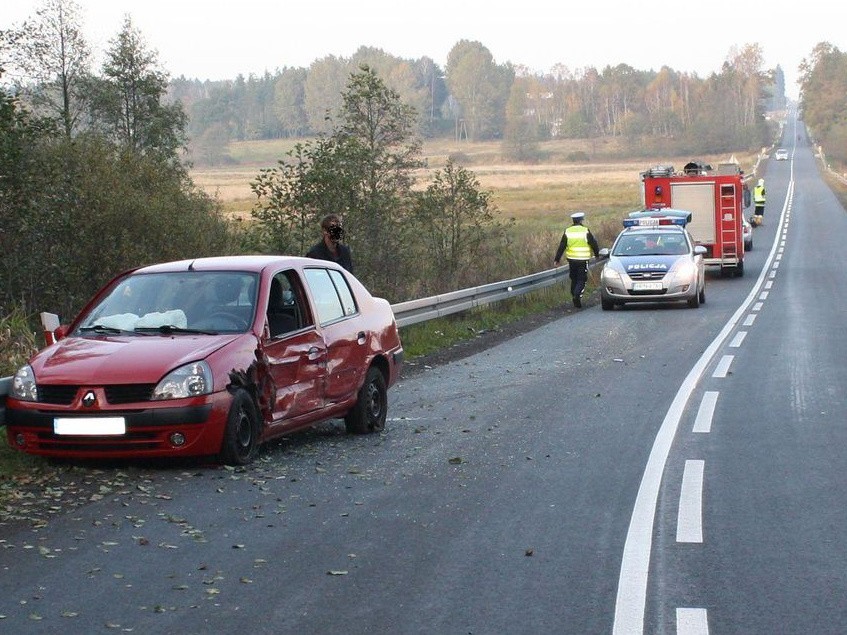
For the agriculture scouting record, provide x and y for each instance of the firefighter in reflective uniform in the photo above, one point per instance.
(577, 244)
(758, 203)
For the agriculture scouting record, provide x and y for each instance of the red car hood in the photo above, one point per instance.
(121, 360)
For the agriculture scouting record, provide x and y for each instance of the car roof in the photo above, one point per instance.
(254, 263)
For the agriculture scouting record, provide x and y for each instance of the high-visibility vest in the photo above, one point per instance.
(759, 194)
(578, 247)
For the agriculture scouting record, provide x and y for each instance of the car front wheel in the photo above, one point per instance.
(694, 302)
(368, 415)
(241, 436)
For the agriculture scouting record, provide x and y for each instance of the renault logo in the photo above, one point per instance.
(89, 399)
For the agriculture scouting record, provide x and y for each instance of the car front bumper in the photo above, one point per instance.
(186, 427)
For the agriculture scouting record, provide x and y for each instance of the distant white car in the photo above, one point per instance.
(748, 234)
(781, 154)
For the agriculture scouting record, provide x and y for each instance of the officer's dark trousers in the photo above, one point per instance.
(578, 271)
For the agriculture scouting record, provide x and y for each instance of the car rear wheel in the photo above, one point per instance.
(241, 436)
(368, 415)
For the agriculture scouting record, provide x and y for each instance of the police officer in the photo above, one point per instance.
(759, 202)
(577, 244)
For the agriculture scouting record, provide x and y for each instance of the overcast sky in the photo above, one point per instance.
(216, 39)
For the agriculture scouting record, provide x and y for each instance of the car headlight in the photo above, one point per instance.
(684, 273)
(23, 385)
(190, 380)
(611, 277)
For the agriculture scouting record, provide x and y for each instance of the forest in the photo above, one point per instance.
(94, 161)
(475, 98)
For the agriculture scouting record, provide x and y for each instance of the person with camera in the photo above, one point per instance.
(330, 247)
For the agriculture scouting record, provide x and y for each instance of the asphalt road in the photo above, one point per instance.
(649, 469)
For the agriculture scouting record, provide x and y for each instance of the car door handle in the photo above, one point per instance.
(361, 338)
(314, 354)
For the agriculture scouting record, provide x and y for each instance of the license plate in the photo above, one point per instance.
(646, 286)
(89, 426)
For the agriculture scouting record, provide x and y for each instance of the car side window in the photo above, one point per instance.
(287, 309)
(348, 304)
(328, 302)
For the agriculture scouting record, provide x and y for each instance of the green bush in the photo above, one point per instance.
(17, 340)
(578, 156)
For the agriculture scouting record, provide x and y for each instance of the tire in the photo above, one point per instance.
(739, 269)
(702, 295)
(368, 415)
(241, 435)
(694, 302)
(606, 305)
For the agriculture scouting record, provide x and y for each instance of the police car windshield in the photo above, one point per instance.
(651, 244)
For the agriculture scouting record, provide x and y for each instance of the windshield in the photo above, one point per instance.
(185, 301)
(651, 244)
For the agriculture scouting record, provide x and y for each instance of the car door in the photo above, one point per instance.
(346, 341)
(295, 351)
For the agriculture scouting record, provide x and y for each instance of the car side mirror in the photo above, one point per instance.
(53, 330)
(604, 253)
(700, 250)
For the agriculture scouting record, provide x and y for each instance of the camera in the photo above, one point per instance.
(336, 232)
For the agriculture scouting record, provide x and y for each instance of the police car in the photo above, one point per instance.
(654, 259)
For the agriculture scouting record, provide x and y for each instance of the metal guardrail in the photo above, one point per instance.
(414, 311)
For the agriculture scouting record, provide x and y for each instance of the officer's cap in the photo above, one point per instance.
(578, 215)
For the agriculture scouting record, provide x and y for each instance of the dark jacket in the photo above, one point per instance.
(322, 252)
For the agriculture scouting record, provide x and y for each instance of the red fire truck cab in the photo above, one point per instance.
(715, 199)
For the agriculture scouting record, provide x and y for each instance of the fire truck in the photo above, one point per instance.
(716, 200)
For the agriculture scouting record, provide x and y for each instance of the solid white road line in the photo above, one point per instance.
(689, 519)
(692, 622)
(705, 413)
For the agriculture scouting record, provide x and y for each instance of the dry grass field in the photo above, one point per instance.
(538, 196)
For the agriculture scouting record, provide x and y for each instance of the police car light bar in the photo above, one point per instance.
(665, 212)
(654, 221)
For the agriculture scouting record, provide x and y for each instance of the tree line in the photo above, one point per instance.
(473, 97)
(823, 82)
(92, 177)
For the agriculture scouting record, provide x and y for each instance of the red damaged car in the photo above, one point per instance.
(208, 357)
